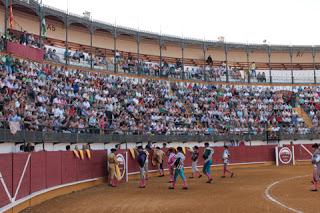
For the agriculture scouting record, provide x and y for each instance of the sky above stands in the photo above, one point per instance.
(291, 22)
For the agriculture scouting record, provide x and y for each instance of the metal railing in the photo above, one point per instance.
(26, 136)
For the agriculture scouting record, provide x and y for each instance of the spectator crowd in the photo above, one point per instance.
(134, 65)
(43, 97)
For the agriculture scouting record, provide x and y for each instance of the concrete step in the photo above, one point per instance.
(304, 116)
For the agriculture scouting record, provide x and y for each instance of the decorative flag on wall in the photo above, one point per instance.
(11, 19)
(43, 27)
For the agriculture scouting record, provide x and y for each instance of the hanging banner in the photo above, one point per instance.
(34, 54)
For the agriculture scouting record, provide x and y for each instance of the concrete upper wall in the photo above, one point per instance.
(258, 56)
(172, 50)
(280, 57)
(237, 56)
(127, 44)
(79, 35)
(216, 54)
(194, 52)
(102, 39)
(149, 47)
(55, 29)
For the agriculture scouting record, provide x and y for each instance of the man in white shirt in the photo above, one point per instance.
(58, 112)
(225, 158)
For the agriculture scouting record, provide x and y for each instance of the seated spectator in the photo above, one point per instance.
(81, 55)
(104, 61)
(209, 61)
(54, 56)
(30, 39)
(118, 55)
(178, 63)
(90, 59)
(259, 77)
(49, 52)
(165, 65)
(76, 55)
(23, 38)
(66, 55)
(131, 63)
(263, 77)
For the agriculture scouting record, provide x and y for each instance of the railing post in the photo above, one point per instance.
(42, 140)
(91, 48)
(226, 61)
(291, 64)
(182, 60)
(314, 65)
(204, 60)
(115, 61)
(160, 45)
(138, 53)
(248, 65)
(77, 137)
(41, 16)
(269, 57)
(6, 22)
(67, 43)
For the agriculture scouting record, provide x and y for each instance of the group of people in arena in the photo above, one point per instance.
(43, 97)
(174, 158)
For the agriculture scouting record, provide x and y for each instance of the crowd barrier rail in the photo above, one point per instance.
(60, 137)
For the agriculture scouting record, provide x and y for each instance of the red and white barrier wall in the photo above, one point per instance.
(25, 174)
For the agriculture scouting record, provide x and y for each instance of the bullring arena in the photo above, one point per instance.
(224, 195)
(79, 95)
(269, 188)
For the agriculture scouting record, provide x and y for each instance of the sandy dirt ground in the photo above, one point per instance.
(243, 193)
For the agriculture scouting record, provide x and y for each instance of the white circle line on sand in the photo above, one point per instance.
(269, 196)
